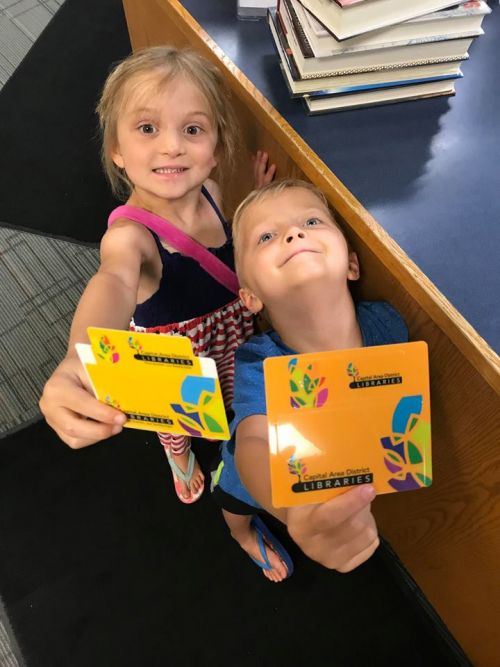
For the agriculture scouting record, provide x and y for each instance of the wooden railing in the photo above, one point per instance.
(448, 536)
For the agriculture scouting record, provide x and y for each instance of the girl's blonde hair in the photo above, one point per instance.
(160, 65)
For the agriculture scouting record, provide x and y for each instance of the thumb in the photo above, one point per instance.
(341, 508)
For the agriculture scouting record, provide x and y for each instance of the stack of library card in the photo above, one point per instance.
(345, 54)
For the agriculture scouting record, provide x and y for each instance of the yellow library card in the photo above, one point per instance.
(348, 417)
(156, 381)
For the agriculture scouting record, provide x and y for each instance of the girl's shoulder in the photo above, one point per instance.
(215, 192)
(213, 188)
(126, 233)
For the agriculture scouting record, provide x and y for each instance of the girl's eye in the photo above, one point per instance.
(267, 236)
(193, 130)
(147, 128)
(312, 222)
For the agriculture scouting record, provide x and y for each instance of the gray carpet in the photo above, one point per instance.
(10, 655)
(21, 22)
(42, 279)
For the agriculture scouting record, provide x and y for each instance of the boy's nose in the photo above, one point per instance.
(294, 233)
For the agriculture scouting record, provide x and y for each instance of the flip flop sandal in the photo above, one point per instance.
(264, 536)
(186, 477)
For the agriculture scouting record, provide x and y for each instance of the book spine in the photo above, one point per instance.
(287, 51)
(304, 44)
(381, 68)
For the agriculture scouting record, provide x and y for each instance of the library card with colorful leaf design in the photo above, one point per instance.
(348, 417)
(156, 381)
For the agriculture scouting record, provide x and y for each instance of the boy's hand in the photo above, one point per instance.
(70, 408)
(262, 173)
(341, 533)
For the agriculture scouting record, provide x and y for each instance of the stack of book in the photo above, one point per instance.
(344, 54)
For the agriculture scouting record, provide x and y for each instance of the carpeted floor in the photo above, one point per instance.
(42, 279)
(100, 565)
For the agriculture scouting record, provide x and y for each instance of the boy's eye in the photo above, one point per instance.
(147, 128)
(193, 130)
(311, 222)
(267, 236)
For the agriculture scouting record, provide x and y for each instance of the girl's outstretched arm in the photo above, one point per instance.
(340, 534)
(109, 300)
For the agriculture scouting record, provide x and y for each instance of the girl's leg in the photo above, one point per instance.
(244, 534)
(179, 448)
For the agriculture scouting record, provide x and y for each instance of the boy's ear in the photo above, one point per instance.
(250, 300)
(353, 268)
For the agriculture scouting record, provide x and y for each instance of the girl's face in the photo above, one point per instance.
(166, 142)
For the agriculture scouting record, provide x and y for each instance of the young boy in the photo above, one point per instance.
(294, 263)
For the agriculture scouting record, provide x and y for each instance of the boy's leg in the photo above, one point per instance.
(243, 532)
(178, 447)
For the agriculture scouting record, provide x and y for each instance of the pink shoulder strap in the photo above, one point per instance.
(181, 242)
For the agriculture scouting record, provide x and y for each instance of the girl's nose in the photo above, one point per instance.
(172, 144)
(294, 233)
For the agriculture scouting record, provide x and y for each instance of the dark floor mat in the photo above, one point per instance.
(51, 180)
(101, 565)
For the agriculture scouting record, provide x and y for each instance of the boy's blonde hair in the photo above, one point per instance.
(162, 64)
(256, 196)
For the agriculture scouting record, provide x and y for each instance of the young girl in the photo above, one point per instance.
(166, 124)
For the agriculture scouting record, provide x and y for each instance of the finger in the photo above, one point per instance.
(341, 508)
(270, 173)
(83, 404)
(77, 432)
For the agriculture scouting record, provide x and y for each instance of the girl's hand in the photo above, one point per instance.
(341, 533)
(70, 408)
(263, 174)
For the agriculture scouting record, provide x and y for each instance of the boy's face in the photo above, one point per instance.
(287, 241)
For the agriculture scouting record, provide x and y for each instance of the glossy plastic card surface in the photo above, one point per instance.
(349, 417)
(156, 381)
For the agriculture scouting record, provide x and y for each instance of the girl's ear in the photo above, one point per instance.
(353, 268)
(117, 158)
(250, 300)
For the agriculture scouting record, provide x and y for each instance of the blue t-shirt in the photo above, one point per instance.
(380, 324)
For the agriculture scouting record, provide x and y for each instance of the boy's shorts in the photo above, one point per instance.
(222, 496)
(232, 504)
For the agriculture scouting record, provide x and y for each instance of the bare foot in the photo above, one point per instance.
(278, 570)
(197, 478)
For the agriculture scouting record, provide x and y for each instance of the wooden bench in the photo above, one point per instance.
(447, 536)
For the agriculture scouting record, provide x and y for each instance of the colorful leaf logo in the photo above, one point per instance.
(134, 344)
(111, 401)
(196, 414)
(408, 449)
(107, 350)
(296, 467)
(352, 370)
(307, 389)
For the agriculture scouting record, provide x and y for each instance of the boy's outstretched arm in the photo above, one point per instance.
(340, 534)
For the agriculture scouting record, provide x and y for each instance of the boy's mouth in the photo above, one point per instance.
(298, 252)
